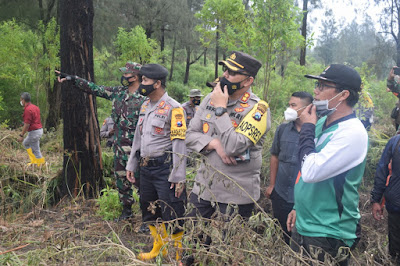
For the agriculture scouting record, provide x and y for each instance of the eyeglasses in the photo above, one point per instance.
(321, 86)
(230, 72)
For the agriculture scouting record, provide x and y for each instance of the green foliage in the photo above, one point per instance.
(109, 205)
(27, 59)
(134, 45)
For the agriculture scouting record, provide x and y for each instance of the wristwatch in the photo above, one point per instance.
(21, 135)
(220, 111)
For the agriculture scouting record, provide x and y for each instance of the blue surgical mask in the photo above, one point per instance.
(323, 106)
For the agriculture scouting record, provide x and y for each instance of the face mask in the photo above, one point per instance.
(232, 87)
(196, 102)
(145, 90)
(21, 103)
(323, 107)
(291, 114)
(125, 81)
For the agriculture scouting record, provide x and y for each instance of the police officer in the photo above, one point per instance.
(125, 112)
(191, 106)
(229, 129)
(159, 143)
(107, 131)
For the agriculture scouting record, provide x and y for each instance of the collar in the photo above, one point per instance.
(347, 117)
(161, 102)
(243, 99)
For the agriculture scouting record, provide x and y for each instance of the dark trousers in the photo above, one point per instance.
(320, 246)
(281, 209)
(205, 209)
(157, 200)
(394, 235)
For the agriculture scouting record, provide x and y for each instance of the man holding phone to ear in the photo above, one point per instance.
(393, 85)
(332, 152)
(229, 129)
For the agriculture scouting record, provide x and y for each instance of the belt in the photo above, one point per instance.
(154, 161)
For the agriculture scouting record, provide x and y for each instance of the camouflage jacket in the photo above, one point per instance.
(394, 87)
(125, 112)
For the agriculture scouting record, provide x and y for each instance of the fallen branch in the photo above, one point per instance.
(14, 249)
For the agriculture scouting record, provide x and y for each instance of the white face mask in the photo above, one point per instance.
(21, 103)
(323, 106)
(291, 114)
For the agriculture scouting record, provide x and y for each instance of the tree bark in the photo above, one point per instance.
(82, 170)
(54, 102)
(303, 48)
(216, 52)
(187, 69)
(173, 58)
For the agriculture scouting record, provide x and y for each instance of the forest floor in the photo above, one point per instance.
(71, 232)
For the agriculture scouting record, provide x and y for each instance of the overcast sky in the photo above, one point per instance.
(345, 11)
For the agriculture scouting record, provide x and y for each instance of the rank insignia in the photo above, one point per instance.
(206, 127)
(244, 105)
(161, 104)
(208, 116)
(234, 124)
(211, 103)
(239, 110)
(245, 97)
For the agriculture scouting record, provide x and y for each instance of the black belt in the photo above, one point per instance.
(154, 161)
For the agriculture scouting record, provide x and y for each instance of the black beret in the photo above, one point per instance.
(154, 71)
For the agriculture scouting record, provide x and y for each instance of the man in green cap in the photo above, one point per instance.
(125, 112)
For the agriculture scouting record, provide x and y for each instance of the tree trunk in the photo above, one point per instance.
(304, 34)
(205, 58)
(173, 58)
(216, 52)
(82, 170)
(162, 42)
(186, 79)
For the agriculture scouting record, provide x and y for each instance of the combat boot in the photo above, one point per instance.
(160, 236)
(126, 213)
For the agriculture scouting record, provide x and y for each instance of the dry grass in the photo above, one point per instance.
(34, 232)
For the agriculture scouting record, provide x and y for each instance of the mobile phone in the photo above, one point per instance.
(396, 71)
(245, 155)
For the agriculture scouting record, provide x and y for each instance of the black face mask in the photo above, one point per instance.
(232, 87)
(196, 102)
(145, 90)
(125, 81)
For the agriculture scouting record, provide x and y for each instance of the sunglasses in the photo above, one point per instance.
(233, 73)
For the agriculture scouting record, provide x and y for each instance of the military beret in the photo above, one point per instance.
(154, 71)
(242, 63)
(130, 67)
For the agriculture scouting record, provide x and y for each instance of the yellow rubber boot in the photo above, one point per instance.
(159, 235)
(177, 238)
(40, 161)
(31, 156)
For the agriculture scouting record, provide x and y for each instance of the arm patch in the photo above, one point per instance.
(178, 124)
(254, 124)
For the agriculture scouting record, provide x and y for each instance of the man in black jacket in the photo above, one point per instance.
(389, 186)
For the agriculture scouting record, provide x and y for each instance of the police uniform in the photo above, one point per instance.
(159, 143)
(125, 113)
(241, 133)
(105, 130)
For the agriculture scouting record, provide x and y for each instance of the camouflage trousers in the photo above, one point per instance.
(124, 186)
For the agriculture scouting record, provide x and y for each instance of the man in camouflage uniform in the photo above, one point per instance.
(125, 112)
(192, 105)
(229, 129)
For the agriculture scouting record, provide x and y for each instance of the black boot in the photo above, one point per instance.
(126, 213)
(144, 229)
